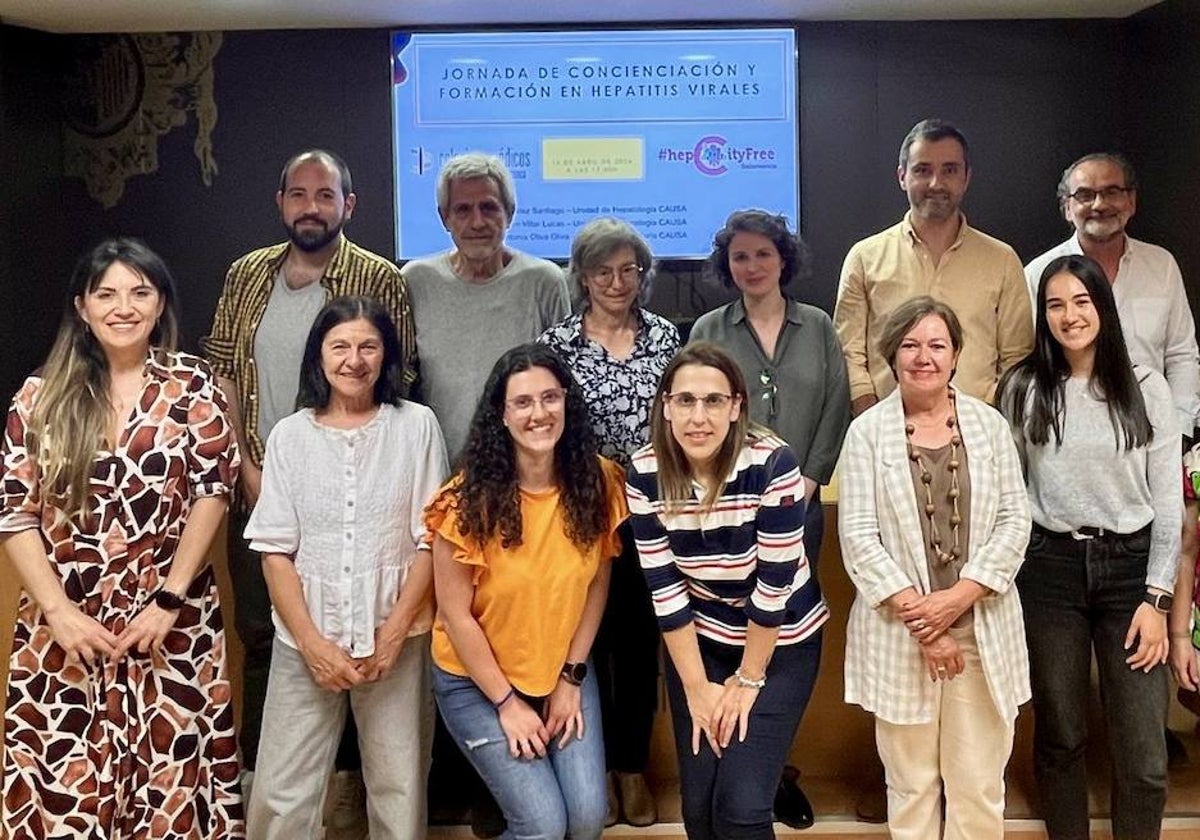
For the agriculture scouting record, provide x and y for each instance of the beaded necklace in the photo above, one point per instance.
(914, 454)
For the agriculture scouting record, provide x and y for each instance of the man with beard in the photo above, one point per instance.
(933, 251)
(270, 299)
(1098, 197)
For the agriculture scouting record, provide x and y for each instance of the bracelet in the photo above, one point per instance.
(1187, 636)
(745, 682)
(499, 703)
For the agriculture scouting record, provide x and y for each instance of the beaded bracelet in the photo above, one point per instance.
(745, 682)
(498, 703)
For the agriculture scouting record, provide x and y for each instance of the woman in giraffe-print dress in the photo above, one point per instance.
(117, 465)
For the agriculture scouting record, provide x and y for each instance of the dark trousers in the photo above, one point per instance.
(625, 656)
(252, 620)
(731, 797)
(1080, 596)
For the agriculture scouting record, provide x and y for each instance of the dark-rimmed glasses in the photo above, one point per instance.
(1086, 195)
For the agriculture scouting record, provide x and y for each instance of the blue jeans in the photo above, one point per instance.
(1080, 595)
(562, 795)
(731, 797)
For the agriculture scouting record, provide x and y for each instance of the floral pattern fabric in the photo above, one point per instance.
(618, 392)
(143, 747)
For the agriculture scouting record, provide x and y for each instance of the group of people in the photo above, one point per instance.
(443, 489)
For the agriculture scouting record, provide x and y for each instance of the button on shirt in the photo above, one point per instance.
(979, 277)
(1155, 317)
(347, 505)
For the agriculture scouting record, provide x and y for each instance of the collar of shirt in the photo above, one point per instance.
(914, 239)
(573, 329)
(337, 267)
(737, 312)
(1131, 245)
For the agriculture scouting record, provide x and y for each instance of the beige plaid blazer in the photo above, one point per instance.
(883, 549)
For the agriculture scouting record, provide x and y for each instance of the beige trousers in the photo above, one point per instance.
(302, 724)
(960, 755)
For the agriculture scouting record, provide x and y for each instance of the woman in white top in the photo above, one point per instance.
(344, 553)
(1101, 449)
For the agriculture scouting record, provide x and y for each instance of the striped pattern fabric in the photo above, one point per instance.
(883, 550)
(741, 561)
(229, 347)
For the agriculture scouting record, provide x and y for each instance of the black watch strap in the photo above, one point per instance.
(1159, 601)
(574, 672)
(168, 600)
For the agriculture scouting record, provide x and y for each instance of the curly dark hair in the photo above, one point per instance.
(488, 497)
(793, 252)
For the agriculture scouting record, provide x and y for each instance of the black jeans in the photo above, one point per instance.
(625, 656)
(1080, 596)
(255, 629)
(731, 797)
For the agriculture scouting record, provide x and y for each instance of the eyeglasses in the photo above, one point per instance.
(770, 395)
(1085, 195)
(605, 275)
(551, 400)
(686, 401)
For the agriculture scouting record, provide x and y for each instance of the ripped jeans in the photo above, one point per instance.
(552, 798)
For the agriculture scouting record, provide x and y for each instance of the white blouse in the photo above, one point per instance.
(347, 505)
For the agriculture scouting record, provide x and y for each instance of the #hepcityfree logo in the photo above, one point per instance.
(707, 155)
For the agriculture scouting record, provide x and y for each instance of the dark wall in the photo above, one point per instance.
(1164, 116)
(1031, 96)
(1013, 87)
(33, 263)
(276, 93)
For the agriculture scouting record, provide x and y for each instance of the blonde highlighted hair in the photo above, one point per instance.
(70, 418)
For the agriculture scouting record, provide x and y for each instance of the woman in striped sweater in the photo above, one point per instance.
(717, 507)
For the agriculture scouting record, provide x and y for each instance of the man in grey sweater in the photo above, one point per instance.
(471, 304)
(480, 299)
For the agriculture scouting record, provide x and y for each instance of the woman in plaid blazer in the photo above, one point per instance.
(934, 519)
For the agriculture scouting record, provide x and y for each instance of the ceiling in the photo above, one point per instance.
(191, 15)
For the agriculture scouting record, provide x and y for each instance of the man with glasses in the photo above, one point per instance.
(933, 251)
(1098, 197)
(470, 305)
(479, 299)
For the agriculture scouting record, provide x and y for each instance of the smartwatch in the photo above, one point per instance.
(1159, 601)
(168, 600)
(574, 672)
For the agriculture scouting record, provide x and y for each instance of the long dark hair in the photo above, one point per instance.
(314, 387)
(489, 497)
(1046, 368)
(70, 420)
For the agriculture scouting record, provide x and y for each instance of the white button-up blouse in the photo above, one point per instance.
(347, 505)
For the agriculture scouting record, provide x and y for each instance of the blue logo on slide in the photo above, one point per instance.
(708, 156)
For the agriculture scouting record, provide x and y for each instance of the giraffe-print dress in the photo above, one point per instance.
(141, 748)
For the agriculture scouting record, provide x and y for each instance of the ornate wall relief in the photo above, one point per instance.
(123, 92)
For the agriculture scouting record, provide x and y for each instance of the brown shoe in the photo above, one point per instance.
(871, 805)
(637, 803)
(614, 807)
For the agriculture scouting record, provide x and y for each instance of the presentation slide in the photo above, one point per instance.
(671, 130)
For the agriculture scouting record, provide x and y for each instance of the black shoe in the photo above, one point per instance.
(487, 820)
(792, 807)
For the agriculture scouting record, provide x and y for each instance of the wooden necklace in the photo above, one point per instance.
(914, 454)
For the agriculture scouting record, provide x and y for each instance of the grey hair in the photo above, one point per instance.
(1116, 158)
(598, 240)
(470, 165)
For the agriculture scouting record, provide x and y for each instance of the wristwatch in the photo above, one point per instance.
(168, 600)
(574, 672)
(1159, 601)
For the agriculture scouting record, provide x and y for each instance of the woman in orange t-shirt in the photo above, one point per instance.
(523, 536)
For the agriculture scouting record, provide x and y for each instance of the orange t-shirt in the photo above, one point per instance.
(528, 598)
